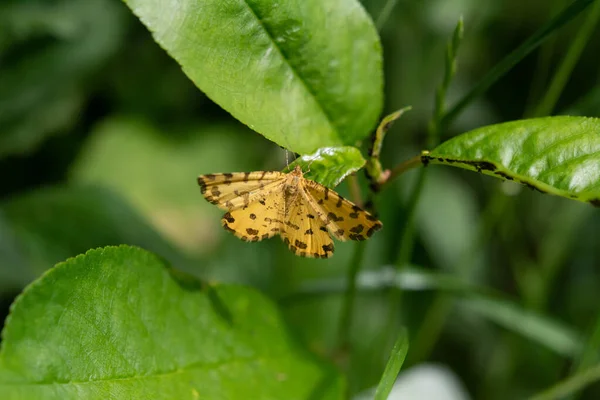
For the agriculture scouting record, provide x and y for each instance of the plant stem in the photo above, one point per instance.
(403, 167)
(349, 297)
(548, 102)
(571, 385)
(517, 55)
(385, 14)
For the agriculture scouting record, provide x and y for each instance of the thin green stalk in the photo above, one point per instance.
(517, 55)
(407, 238)
(542, 69)
(385, 14)
(438, 312)
(548, 102)
(589, 355)
(435, 127)
(350, 296)
(569, 386)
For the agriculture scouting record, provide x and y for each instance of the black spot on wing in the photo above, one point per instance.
(359, 238)
(374, 229)
(300, 245)
(357, 229)
(227, 228)
(332, 217)
(227, 217)
(292, 225)
(251, 231)
(370, 217)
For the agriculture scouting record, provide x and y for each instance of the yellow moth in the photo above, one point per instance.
(304, 213)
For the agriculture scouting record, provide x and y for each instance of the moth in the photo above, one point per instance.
(304, 213)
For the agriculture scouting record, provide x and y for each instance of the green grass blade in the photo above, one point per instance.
(393, 366)
(574, 9)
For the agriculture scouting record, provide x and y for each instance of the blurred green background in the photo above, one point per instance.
(102, 137)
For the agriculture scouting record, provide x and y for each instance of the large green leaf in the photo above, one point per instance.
(115, 323)
(305, 74)
(556, 155)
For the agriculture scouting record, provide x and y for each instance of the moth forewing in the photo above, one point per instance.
(233, 190)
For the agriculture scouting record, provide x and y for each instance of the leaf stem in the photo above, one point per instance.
(403, 167)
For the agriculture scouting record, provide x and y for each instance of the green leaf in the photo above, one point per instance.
(393, 366)
(42, 89)
(52, 224)
(115, 323)
(275, 66)
(330, 165)
(555, 155)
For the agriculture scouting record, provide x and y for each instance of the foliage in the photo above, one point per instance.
(109, 111)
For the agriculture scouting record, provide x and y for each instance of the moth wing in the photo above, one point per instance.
(259, 220)
(344, 219)
(304, 232)
(235, 190)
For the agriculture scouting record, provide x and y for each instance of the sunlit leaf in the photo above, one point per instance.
(556, 155)
(274, 66)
